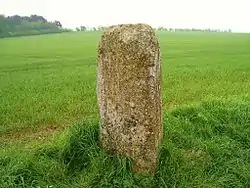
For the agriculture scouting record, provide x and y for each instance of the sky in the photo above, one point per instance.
(221, 14)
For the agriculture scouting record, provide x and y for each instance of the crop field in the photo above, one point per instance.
(49, 115)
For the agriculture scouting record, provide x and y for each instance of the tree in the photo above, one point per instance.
(83, 28)
(2, 23)
(58, 24)
(36, 18)
(27, 25)
(100, 28)
(78, 29)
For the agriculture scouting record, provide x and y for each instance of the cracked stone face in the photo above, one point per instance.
(129, 94)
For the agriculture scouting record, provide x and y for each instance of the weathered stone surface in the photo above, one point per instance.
(129, 94)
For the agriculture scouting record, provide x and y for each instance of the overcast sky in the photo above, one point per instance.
(224, 14)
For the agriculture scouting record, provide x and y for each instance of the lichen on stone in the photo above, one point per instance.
(129, 94)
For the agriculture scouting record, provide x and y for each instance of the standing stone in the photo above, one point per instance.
(129, 94)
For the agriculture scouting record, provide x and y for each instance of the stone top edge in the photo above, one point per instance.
(130, 25)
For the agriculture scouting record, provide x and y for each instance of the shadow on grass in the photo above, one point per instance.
(204, 146)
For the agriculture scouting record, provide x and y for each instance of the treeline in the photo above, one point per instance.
(192, 29)
(101, 28)
(12, 26)
(85, 28)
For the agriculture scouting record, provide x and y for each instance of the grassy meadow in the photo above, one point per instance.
(49, 115)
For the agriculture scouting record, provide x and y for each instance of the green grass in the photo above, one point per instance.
(50, 81)
(204, 146)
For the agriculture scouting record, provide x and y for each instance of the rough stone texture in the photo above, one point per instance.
(129, 94)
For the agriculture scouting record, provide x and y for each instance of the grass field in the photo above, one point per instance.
(49, 115)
